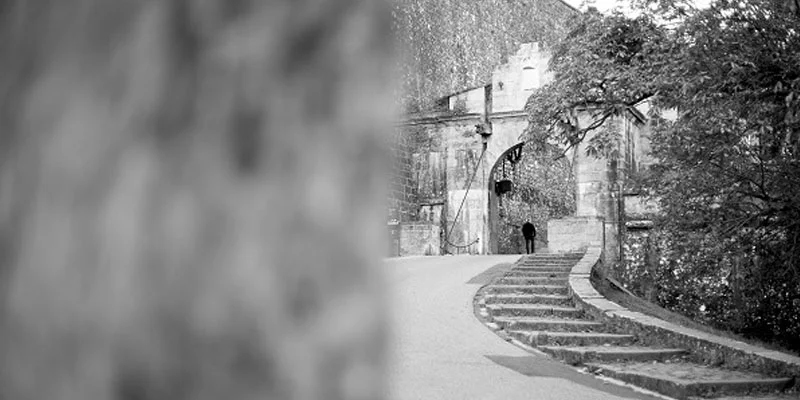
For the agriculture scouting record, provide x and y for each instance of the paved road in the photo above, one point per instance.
(441, 351)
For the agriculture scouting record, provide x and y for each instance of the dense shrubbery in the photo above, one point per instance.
(730, 283)
(716, 282)
(727, 246)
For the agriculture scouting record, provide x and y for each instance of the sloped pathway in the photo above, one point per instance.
(440, 351)
(532, 304)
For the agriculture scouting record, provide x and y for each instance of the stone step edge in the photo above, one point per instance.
(534, 306)
(523, 286)
(562, 333)
(544, 299)
(516, 274)
(682, 389)
(712, 348)
(510, 322)
(577, 355)
(524, 280)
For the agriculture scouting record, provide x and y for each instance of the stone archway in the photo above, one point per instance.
(542, 188)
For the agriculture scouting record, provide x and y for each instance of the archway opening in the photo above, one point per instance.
(528, 183)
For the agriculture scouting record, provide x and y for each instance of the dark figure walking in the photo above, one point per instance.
(529, 232)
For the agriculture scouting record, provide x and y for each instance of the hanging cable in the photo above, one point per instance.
(458, 213)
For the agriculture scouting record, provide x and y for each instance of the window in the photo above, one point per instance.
(530, 79)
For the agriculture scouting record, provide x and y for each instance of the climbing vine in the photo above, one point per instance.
(450, 45)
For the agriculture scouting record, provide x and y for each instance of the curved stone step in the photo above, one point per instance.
(547, 324)
(510, 298)
(536, 274)
(533, 310)
(550, 270)
(515, 280)
(553, 264)
(681, 379)
(550, 259)
(777, 396)
(549, 256)
(576, 355)
(550, 338)
(529, 289)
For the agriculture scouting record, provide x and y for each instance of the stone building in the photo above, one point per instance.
(445, 197)
(453, 45)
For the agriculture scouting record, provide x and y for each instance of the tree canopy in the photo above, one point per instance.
(727, 177)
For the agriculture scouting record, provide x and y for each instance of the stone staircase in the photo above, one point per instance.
(532, 304)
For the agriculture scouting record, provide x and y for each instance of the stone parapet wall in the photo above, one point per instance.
(650, 331)
(420, 239)
(574, 234)
(639, 207)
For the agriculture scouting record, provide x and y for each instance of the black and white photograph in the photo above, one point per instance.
(399, 199)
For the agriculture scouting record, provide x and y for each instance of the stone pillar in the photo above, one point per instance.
(597, 192)
(574, 234)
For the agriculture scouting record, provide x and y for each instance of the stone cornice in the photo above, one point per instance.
(434, 118)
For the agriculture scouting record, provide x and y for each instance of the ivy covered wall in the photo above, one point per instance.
(452, 45)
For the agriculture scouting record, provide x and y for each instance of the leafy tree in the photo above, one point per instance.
(605, 66)
(728, 172)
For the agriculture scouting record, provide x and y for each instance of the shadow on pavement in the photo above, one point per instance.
(542, 367)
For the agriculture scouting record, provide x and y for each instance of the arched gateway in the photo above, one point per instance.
(445, 198)
(528, 183)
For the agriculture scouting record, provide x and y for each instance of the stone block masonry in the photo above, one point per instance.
(574, 234)
(420, 239)
(401, 179)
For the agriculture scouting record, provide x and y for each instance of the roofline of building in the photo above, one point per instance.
(469, 89)
(434, 118)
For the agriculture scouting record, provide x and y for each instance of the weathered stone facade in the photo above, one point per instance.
(452, 45)
(452, 166)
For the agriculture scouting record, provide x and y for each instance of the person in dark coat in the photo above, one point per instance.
(529, 232)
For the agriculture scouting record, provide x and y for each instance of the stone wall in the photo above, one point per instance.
(453, 45)
(514, 81)
(402, 180)
(445, 152)
(575, 233)
(420, 239)
(639, 207)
